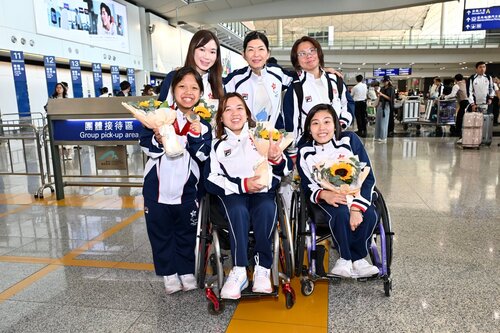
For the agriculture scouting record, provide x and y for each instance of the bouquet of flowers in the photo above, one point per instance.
(261, 135)
(154, 114)
(344, 175)
(206, 109)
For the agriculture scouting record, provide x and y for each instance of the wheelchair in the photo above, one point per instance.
(213, 238)
(309, 224)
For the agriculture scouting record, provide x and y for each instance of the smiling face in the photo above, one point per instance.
(106, 19)
(256, 54)
(322, 127)
(307, 56)
(234, 115)
(205, 56)
(187, 93)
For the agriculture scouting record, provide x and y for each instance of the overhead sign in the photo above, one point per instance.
(76, 78)
(20, 83)
(115, 79)
(97, 73)
(49, 62)
(131, 80)
(481, 19)
(380, 72)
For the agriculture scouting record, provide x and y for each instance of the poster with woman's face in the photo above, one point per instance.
(98, 23)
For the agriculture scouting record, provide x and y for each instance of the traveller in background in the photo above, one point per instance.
(459, 91)
(105, 92)
(124, 89)
(359, 94)
(480, 88)
(385, 105)
(148, 90)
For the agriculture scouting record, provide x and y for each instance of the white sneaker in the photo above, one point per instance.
(188, 282)
(235, 283)
(262, 280)
(342, 268)
(172, 283)
(362, 268)
(459, 141)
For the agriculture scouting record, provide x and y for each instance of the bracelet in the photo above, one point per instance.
(357, 210)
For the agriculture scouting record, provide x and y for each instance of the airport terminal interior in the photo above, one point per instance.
(75, 255)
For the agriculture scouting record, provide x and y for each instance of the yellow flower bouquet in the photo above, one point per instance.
(344, 175)
(154, 114)
(261, 136)
(206, 109)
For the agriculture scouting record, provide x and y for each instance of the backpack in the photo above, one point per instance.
(297, 87)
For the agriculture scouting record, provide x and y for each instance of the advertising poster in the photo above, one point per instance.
(97, 23)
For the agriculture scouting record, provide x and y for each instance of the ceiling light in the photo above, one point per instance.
(363, 63)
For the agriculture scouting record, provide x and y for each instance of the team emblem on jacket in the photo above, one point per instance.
(194, 217)
(245, 96)
(275, 91)
(227, 152)
(309, 99)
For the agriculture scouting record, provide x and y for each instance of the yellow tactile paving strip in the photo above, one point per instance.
(309, 314)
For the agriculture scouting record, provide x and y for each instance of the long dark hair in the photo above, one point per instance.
(65, 91)
(201, 38)
(181, 73)
(219, 126)
(294, 58)
(307, 137)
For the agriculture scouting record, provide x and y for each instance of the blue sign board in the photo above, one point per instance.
(405, 71)
(76, 78)
(97, 130)
(131, 79)
(115, 79)
(481, 19)
(391, 71)
(97, 73)
(20, 83)
(49, 62)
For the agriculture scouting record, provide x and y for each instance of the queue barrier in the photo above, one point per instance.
(22, 143)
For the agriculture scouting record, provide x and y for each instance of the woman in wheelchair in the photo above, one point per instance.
(351, 219)
(247, 201)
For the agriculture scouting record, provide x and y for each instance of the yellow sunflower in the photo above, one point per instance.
(144, 104)
(156, 103)
(202, 112)
(343, 170)
(264, 134)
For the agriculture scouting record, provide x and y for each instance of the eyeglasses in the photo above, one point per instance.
(311, 51)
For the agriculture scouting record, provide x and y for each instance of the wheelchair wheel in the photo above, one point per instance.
(202, 244)
(213, 310)
(286, 251)
(306, 287)
(290, 301)
(301, 220)
(376, 250)
(388, 287)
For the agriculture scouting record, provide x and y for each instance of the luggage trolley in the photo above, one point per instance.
(438, 113)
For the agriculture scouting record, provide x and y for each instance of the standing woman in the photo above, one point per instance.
(314, 86)
(385, 105)
(171, 186)
(259, 84)
(203, 56)
(60, 91)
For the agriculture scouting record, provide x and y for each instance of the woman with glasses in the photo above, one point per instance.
(260, 83)
(314, 86)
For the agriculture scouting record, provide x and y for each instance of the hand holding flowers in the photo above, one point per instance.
(158, 117)
(270, 144)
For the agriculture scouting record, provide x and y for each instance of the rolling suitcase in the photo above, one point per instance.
(487, 129)
(472, 130)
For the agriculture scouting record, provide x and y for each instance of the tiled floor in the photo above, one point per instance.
(83, 264)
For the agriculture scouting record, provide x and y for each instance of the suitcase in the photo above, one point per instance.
(472, 130)
(411, 111)
(487, 129)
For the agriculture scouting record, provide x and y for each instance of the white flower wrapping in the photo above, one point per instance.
(352, 189)
(161, 118)
(261, 143)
